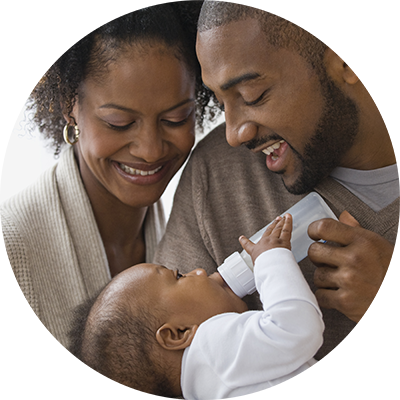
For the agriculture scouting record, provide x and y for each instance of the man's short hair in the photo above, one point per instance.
(305, 26)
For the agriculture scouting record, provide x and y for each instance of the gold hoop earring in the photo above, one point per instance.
(66, 137)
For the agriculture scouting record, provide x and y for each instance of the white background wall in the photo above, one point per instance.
(23, 155)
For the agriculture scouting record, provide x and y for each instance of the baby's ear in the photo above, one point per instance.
(171, 337)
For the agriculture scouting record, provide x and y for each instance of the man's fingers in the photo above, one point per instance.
(326, 277)
(326, 298)
(332, 231)
(325, 254)
(346, 218)
(340, 300)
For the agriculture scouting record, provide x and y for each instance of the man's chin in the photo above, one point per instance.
(302, 177)
(297, 186)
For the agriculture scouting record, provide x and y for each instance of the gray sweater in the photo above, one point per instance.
(54, 245)
(225, 192)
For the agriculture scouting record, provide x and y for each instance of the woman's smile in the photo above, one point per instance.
(143, 174)
(137, 126)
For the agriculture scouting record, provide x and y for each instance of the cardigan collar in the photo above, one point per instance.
(87, 242)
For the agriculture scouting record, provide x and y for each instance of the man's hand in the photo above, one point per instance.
(277, 234)
(349, 272)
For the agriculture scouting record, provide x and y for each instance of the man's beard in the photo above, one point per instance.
(334, 136)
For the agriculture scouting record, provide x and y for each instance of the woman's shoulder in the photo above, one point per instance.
(36, 209)
(12, 245)
(33, 198)
(40, 194)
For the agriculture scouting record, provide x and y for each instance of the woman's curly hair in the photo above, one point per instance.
(173, 24)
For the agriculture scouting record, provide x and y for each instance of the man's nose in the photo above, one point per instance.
(239, 133)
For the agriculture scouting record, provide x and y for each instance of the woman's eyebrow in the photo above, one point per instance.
(117, 107)
(130, 110)
(180, 104)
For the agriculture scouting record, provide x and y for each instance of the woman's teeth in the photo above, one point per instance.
(133, 171)
(269, 150)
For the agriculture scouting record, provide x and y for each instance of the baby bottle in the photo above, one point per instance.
(237, 269)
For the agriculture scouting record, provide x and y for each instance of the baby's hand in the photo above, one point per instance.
(277, 234)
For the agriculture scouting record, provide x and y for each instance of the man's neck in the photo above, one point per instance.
(372, 148)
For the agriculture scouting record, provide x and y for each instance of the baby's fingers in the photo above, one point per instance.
(272, 226)
(287, 227)
(247, 244)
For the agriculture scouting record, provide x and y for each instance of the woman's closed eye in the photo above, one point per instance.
(120, 127)
(178, 118)
(176, 123)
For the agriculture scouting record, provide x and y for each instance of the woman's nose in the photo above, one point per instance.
(148, 143)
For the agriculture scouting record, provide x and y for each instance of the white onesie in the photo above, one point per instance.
(265, 354)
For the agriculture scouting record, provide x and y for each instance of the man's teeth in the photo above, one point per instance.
(272, 148)
(133, 171)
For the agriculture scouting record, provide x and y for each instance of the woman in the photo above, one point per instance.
(125, 99)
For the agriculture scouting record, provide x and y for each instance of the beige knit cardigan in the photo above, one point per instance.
(54, 245)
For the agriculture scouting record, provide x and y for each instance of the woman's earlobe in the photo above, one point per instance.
(69, 115)
(171, 337)
(347, 54)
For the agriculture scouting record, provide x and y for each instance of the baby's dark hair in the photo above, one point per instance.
(118, 341)
(171, 24)
(306, 26)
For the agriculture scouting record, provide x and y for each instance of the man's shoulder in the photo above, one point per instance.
(214, 149)
(214, 138)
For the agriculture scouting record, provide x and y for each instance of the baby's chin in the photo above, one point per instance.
(238, 305)
(243, 307)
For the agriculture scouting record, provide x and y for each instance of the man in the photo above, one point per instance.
(310, 125)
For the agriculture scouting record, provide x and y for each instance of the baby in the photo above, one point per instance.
(161, 332)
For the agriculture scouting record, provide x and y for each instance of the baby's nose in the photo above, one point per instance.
(198, 271)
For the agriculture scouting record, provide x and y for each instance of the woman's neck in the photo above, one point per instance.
(121, 226)
(122, 230)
